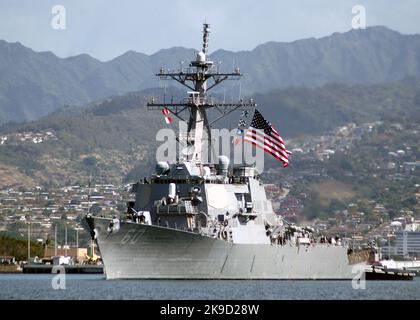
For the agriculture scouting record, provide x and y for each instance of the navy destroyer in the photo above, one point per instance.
(198, 220)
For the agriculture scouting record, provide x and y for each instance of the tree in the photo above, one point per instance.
(19, 248)
(46, 212)
(90, 161)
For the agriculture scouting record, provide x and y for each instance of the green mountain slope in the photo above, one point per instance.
(116, 137)
(33, 84)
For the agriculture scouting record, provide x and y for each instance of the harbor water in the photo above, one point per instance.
(40, 286)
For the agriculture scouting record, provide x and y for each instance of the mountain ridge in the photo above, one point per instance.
(33, 84)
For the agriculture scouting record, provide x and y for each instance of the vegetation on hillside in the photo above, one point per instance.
(34, 84)
(19, 248)
(115, 140)
(368, 174)
(312, 111)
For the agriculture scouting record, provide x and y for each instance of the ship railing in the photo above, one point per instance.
(179, 105)
(298, 242)
(182, 208)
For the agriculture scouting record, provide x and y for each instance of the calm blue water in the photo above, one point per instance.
(34, 286)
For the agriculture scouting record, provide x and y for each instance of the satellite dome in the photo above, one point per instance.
(201, 57)
(224, 160)
(162, 167)
(223, 165)
(206, 171)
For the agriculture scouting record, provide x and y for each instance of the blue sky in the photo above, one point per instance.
(106, 29)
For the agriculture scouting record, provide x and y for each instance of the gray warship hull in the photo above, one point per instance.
(139, 251)
(200, 217)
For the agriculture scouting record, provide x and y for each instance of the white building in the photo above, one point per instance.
(407, 243)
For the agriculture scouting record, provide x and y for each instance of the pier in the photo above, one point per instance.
(383, 273)
(69, 269)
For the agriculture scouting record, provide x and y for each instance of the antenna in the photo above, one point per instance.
(206, 33)
(90, 180)
(65, 241)
(29, 241)
(196, 78)
(55, 240)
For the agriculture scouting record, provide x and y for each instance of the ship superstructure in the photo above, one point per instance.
(203, 220)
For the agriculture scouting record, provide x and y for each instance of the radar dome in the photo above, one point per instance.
(162, 167)
(201, 57)
(223, 165)
(206, 171)
(224, 160)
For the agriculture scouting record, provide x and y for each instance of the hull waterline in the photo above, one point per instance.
(139, 251)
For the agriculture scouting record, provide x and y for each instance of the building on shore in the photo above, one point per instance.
(406, 245)
(77, 254)
(7, 260)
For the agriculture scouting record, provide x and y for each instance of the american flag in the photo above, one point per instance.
(262, 134)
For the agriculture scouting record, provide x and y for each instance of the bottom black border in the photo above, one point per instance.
(158, 309)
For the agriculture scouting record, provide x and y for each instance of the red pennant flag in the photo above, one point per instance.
(166, 114)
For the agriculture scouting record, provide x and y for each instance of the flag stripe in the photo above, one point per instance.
(285, 162)
(263, 135)
(268, 148)
(274, 141)
(280, 138)
(266, 141)
(278, 134)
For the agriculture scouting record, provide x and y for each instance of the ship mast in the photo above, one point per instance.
(200, 77)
